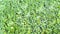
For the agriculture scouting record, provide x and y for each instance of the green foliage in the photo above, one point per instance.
(29, 17)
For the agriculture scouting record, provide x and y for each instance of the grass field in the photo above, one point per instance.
(29, 16)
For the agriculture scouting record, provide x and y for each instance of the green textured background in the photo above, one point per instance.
(29, 16)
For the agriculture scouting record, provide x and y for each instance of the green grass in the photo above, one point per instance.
(29, 17)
